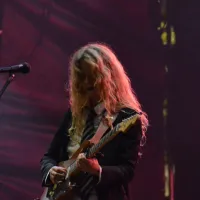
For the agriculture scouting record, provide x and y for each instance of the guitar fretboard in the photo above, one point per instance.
(95, 148)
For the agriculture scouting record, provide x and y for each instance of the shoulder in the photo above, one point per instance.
(128, 112)
(128, 115)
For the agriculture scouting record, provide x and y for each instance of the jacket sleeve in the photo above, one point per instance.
(127, 159)
(54, 152)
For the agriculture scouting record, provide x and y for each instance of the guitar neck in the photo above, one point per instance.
(97, 147)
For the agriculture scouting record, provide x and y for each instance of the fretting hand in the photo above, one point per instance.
(90, 165)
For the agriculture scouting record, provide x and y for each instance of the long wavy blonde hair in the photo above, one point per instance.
(111, 81)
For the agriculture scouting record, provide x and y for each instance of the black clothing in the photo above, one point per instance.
(118, 163)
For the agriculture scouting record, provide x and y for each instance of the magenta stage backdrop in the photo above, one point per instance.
(45, 34)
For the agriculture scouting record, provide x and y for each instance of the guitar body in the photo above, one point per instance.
(67, 189)
(62, 196)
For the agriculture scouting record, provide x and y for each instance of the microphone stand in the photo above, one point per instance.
(8, 81)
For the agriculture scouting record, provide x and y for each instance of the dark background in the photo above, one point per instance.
(45, 33)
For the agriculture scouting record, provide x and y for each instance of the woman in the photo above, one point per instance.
(99, 89)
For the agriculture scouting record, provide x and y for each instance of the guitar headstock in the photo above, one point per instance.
(127, 123)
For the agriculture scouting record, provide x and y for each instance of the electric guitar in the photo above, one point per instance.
(76, 181)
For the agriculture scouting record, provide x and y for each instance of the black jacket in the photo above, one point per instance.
(118, 163)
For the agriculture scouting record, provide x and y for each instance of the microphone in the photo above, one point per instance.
(21, 68)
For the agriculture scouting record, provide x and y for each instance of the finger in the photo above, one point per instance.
(83, 158)
(57, 178)
(60, 169)
(54, 174)
(79, 159)
(80, 156)
(60, 175)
